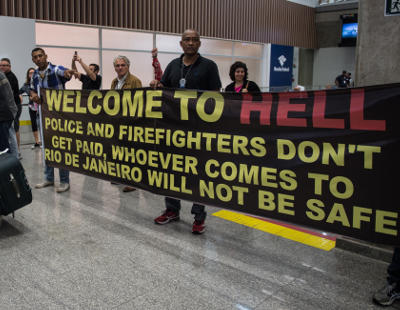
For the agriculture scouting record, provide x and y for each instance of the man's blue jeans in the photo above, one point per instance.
(49, 173)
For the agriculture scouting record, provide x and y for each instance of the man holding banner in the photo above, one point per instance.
(190, 71)
(124, 80)
(391, 291)
(49, 76)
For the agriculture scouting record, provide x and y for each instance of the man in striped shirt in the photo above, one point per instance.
(50, 76)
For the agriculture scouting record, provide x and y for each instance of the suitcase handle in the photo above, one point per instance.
(15, 185)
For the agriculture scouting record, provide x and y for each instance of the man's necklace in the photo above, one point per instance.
(182, 81)
(42, 74)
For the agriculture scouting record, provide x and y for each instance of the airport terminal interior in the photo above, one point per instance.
(98, 247)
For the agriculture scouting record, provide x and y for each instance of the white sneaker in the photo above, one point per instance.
(63, 187)
(44, 184)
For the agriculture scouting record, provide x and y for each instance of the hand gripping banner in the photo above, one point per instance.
(324, 159)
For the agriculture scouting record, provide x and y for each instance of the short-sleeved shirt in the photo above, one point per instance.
(202, 75)
(88, 83)
(342, 81)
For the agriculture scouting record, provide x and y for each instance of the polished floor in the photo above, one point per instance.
(96, 247)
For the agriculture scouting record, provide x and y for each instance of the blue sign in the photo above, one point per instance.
(349, 30)
(281, 66)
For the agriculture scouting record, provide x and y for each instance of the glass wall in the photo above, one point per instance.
(61, 41)
(101, 45)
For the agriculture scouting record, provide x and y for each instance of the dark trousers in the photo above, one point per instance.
(4, 135)
(394, 268)
(16, 119)
(174, 205)
(33, 114)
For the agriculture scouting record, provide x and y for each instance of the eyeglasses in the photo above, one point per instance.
(4, 65)
(194, 39)
(120, 65)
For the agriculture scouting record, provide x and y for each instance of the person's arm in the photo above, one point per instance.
(214, 81)
(6, 95)
(230, 87)
(73, 67)
(156, 65)
(33, 91)
(34, 97)
(157, 69)
(155, 84)
(69, 73)
(165, 81)
(85, 67)
(253, 87)
(64, 72)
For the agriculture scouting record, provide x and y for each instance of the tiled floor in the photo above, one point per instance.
(95, 247)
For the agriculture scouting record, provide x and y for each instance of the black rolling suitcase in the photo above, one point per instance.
(15, 191)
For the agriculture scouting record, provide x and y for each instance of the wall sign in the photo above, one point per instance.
(281, 68)
(392, 7)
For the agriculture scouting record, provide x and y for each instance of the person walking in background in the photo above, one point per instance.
(124, 80)
(90, 80)
(239, 75)
(350, 81)
(33, 107)
(49, 76)
(341, 80)
(5, 66)
(8, 110)
(190, 71)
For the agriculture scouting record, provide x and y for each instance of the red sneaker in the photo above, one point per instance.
(166, 217)
(198, 227)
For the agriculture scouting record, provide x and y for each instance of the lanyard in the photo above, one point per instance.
(182, 81)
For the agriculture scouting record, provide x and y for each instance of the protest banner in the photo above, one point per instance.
(324, 159)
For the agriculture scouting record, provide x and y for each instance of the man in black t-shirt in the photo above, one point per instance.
(341, 80)
(190, 71)
(90, 80)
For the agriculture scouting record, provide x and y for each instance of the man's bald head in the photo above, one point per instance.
(190, 31)
(190, 42)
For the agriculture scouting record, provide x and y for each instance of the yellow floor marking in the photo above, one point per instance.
(275, 229)
(24, 123)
